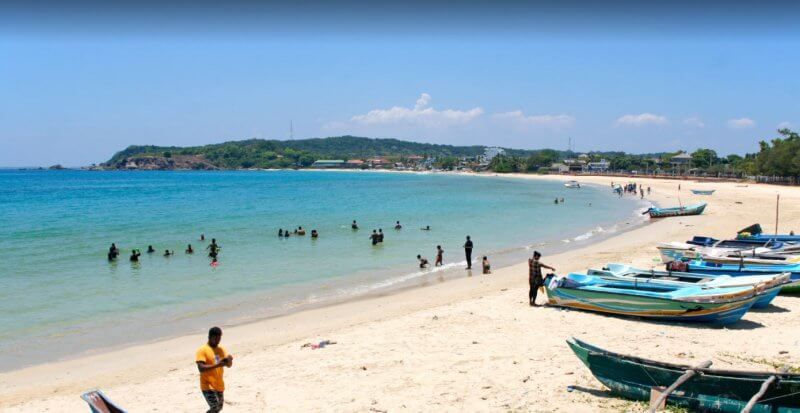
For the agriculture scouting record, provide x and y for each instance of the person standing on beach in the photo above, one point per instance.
(439, 256)
(535, 276)
(468, 252)
(210, 359)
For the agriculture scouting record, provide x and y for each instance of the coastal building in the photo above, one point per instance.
(601, 166)
(575, 165)
(559, 168)
(328, 163)
(354, 163)
(680, 162)
(490, 153)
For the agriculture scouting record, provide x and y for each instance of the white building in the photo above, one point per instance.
(490, 153)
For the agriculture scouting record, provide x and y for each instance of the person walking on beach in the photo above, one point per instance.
(374, 237)
(439, 256)
(210, 359)
(535, 276)
(468, 252)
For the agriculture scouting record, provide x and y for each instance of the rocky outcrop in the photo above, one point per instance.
(162, 163)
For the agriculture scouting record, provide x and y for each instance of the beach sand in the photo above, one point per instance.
(470, 344)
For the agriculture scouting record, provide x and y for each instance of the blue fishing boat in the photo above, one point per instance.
(767, 287)
(662, 301)
(676, 211)
(705, 267)
(703, 191)
(735, 243)
(755, 233)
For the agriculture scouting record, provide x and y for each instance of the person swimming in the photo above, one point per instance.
(314, 233)
(301, 231)
(167, 253)
(354, 225)
(280, 232)
(423, 262)
(113, 252)
(189, 249)
(426, 228)
(556, 201)
(374, 237)
(286, 233)
(202, 237)
(487, 268)
(135, 255)
(380, 235)
(398, 226)
(150, 249)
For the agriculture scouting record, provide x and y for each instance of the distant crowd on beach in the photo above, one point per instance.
(631, 188)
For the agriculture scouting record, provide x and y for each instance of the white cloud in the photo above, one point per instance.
(694, 122)
(549, 121)
(785, 125)
(641, 120)
(421, 113)
(741, 123)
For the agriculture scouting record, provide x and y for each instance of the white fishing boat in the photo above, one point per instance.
(572, 184)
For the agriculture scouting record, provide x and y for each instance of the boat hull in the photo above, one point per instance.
(648, 307)
(677, 212)
(711, 391)
(703, 192)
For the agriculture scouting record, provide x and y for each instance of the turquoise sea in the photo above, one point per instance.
(60, 296)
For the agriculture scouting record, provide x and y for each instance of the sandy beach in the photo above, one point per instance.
(470, 344)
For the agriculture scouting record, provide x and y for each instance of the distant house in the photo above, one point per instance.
(328, 163)
(575, 165)
(490, 153)
(602, 166)
(680, 161)
(559, 168)
(378, 163)
(354, 163)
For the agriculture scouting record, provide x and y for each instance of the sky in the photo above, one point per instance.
(78, 84)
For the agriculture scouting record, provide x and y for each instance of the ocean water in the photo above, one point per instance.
(60, 296)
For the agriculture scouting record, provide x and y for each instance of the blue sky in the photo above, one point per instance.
(75, 97)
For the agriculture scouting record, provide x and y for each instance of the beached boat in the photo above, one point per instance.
(704, 389)
(703, 191)
(679, 251)
(736, 243)
(755, 233)
(671, 302)
(676, 211)
(767, 287)
(705, 267)
(573, 184)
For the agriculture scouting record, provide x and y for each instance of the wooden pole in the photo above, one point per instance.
(756, 397)
(777, 205)
(682, 379)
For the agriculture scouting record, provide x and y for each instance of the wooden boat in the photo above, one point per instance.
(755, 233)
(676, 211)
(696, 388)
(670, 302)
(705, 267)
(767, 287)
(703, 191)
(676, 251)
(573, 184)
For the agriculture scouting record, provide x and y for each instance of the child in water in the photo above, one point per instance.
(314, 233)
(487, 268)
(423, 262)
(189, 249)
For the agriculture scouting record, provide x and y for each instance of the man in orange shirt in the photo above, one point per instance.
(211, 358)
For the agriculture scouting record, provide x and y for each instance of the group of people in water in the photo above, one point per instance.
(284, 233)
(213, 251)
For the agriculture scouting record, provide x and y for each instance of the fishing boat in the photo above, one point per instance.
(755, 233)
(735, 270)
(696, 388)
(703, 191)
(669, 302)
(767, 287)
(573, 184)
(736, 243)
(679, 251)
(676, 211)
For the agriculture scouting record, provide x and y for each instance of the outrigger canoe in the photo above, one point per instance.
(668, 302)
(767, 287)
(676, 211)
(699, 388)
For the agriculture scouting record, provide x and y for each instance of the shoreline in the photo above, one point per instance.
(352, 290)
(134, 368)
